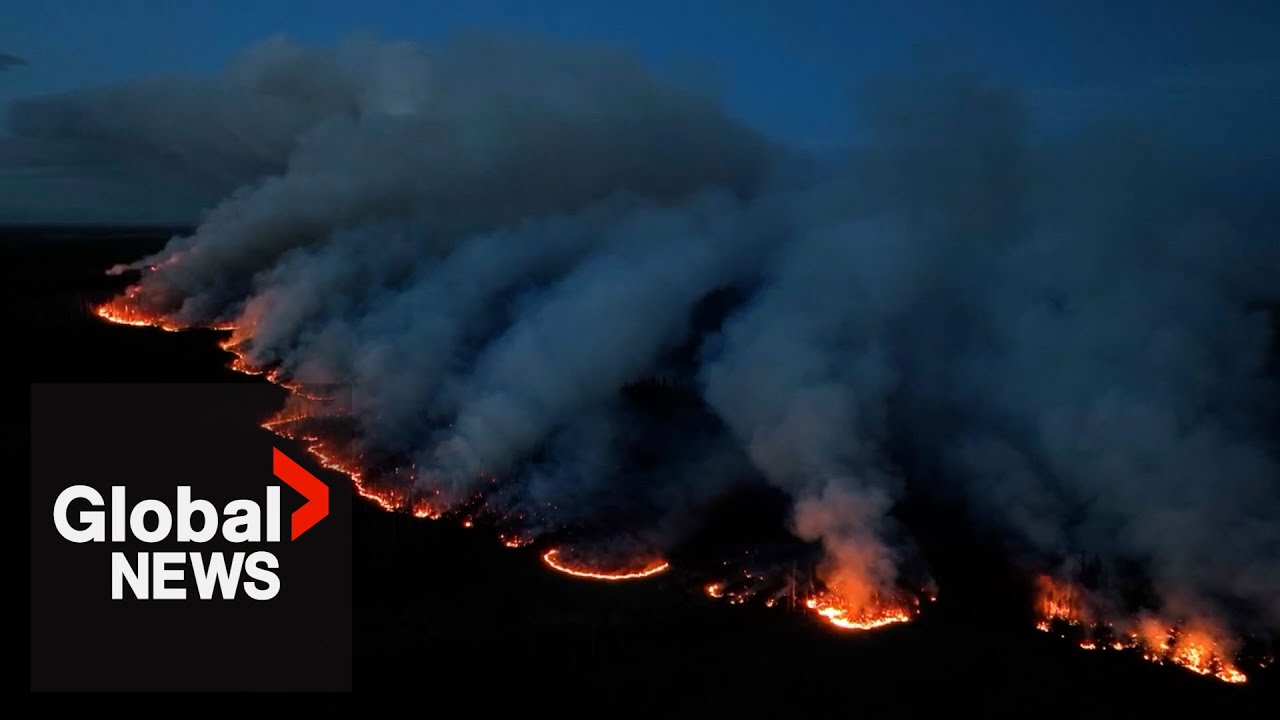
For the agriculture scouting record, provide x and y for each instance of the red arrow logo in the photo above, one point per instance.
(316, 493)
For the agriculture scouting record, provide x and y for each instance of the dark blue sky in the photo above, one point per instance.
(786, 68)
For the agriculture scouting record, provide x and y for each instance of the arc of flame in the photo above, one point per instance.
(551, 556)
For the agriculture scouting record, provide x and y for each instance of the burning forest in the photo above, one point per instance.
(1198, 643)
(488, 243)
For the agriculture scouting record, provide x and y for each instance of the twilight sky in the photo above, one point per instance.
(1199, 69)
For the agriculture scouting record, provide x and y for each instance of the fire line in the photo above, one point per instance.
(553, 561)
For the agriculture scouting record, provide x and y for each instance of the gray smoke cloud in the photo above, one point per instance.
(493, 240)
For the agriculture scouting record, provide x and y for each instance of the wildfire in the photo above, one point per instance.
(1060, 601)
(125, 310)
(838, 611)
(841, 614)
(331, 458)
(1194, 647)
(423, 509)
(555, 562)
(124, 315)
(1197, 646)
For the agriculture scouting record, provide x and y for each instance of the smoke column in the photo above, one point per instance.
(491, 240)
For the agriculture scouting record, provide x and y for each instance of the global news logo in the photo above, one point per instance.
(82, 515)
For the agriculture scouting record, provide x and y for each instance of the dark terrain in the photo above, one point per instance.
(447, 612)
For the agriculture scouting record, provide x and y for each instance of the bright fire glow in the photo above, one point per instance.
(122, 314)
(1060, 601)
(841, 614)
(125, 310)
(423, 509)
(1197, 645)
(554, 561)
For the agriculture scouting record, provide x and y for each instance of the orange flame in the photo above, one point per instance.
(555, 562)
(1198, 646)
(1060, 601)
(125, 310)
(846, 616)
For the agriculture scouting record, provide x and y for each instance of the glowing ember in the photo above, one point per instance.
(715, 590)
(1196, 646)
(554, 561)
(842, 615)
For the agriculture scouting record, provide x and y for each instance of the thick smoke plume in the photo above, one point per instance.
(493, 240)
